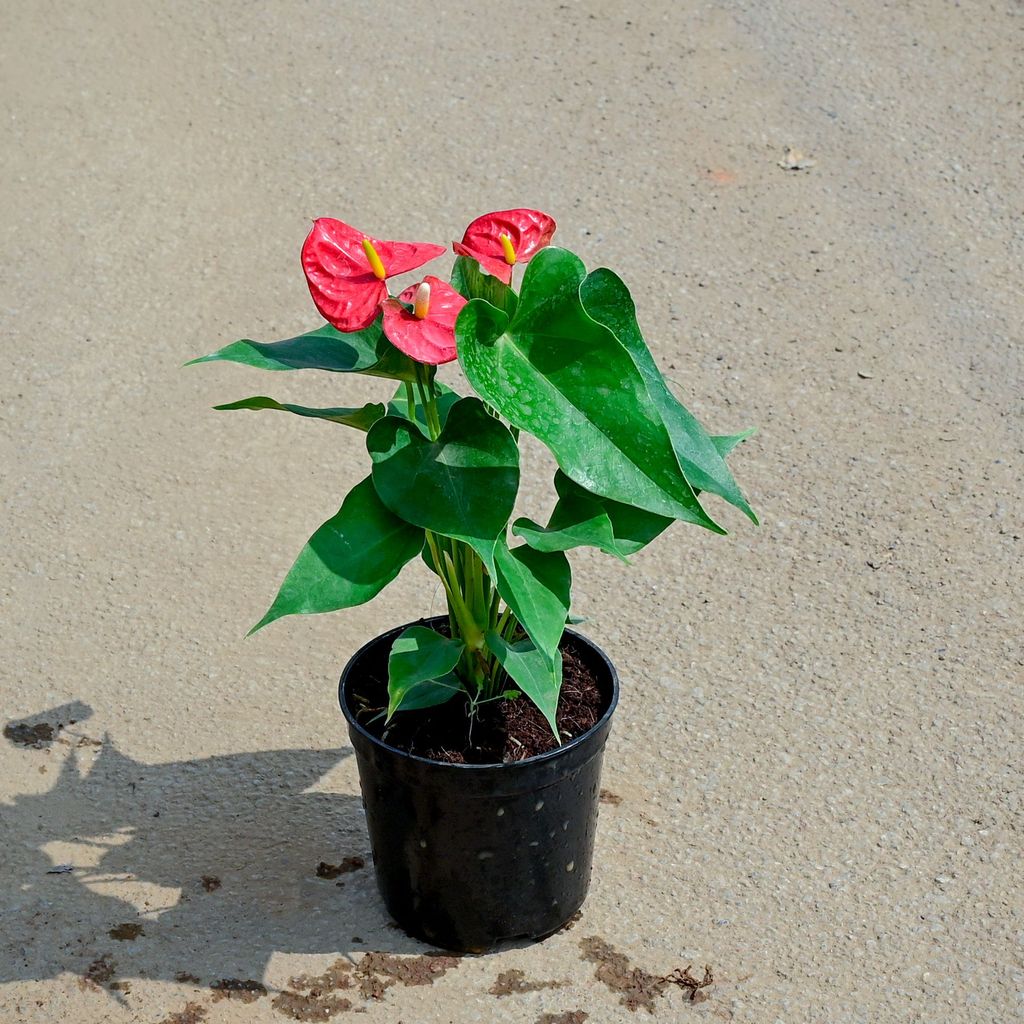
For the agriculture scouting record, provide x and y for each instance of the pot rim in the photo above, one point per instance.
(496, 766)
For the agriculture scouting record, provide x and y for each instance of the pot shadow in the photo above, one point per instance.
(186, 871)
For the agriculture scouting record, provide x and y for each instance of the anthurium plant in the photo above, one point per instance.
(562, 358)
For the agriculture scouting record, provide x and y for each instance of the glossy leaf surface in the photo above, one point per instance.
(348, 560)
(533, 672)
(581, 518)
(471, 283)
(326, 348)
(536, 586)
(361, 419)
(606, 298)
(556, 372)
(420, 670)
(462, 485)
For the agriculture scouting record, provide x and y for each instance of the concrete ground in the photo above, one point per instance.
(815, 771)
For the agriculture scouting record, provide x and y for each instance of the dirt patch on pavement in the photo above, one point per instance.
(348, 864)
(513, 982)
(233, 988)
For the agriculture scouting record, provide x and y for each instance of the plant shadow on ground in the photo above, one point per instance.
(195, 871)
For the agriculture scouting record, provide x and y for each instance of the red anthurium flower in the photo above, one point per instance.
(346, 271)
(499, 240)
(427, 334)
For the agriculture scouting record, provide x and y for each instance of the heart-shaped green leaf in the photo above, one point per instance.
(420, 670)
(326, 348)
(463, 485)
(361, 419)
(536, 586)
(533, 672)
(556, 372)
(606, 298)
(349, 559)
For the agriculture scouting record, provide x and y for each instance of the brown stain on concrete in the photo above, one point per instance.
(513, 982)
(348, 864)
(193, 1013)
(315, 997)
(636, 987)
(234, 988)
(99, 972)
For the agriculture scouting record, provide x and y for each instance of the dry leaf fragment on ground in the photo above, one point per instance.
(794, 160)
(684, 979)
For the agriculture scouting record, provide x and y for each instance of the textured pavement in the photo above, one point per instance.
(815, 772)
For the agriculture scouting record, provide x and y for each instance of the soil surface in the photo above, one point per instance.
(500, 730)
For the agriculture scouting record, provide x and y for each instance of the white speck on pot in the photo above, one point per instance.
(538, 805)
(535, 843)
(565, 826)
(423, 844)
(501, 811)
(485, 855)
(571, 866)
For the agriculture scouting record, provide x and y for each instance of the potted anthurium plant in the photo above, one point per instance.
(479, 733)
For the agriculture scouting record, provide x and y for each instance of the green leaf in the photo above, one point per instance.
(606, 298)
(361, 419)
(725, 443)
(446, 398)
(556, 372)
(584, 519)
(463, 485)
(349, 559)
(578, 520)
(326, 348)
(472, 283)
(420, 670)
(533, 672)
(616, 528)
(536, 586)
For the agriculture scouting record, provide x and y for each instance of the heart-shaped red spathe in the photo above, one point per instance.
(526, 230)
(432, 338)
(343, 285)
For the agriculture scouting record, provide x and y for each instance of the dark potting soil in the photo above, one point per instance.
(503, 731)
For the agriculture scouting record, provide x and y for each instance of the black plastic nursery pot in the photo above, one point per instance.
(468, 856)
